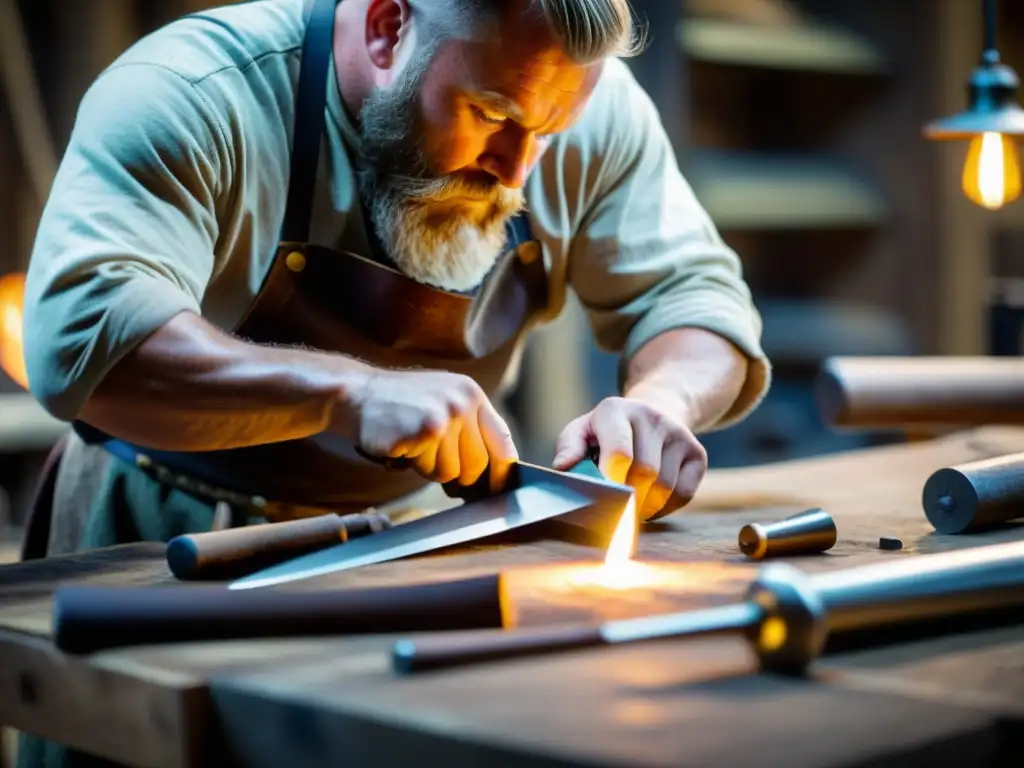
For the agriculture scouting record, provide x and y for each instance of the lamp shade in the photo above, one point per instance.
(993, 107)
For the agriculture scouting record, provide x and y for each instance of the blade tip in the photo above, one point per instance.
(238, 586)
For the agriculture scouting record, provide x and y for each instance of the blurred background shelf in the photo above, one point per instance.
(25, 426)
(801, 332)
(797, 46)
(798, 125)
(784, 191)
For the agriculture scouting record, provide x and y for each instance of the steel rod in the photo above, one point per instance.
(788, 616)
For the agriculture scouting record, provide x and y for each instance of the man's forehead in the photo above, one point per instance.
(508, 59)
(521, 79)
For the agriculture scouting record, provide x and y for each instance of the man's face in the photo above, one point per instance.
(450, 144)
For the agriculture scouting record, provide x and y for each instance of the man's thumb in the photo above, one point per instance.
(571, 447)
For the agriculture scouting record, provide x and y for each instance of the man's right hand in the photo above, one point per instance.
(442, 423)
(218, 392)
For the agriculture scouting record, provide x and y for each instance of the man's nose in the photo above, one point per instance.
(510, 156)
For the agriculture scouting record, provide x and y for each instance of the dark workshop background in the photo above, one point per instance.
(798, 122)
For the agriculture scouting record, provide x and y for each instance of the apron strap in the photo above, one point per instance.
(311, 103)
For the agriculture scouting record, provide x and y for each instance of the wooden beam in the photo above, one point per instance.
(804, 46)
(90, 36)
(964, 228)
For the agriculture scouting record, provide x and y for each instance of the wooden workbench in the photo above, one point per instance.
(957, 700)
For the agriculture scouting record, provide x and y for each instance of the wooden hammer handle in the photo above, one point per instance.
(231, 554)
(902, 392)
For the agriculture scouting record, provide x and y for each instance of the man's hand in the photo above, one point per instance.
(641, 446)
(443, 423)
(218, 392)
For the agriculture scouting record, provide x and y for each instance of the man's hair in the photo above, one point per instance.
(593, 29)
(588, 30)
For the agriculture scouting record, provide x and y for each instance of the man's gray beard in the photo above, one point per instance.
(454, 251)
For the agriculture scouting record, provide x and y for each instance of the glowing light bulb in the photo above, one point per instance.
(991, 176)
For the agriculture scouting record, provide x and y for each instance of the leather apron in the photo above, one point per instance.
(341, 302)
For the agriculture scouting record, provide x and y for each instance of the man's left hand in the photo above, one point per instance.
(641, 446)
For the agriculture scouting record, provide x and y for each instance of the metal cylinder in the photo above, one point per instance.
(969, 497)
(901, 392)
(805, 533)
(913, 589)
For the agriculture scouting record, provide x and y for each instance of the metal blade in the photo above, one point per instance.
(532, 503)
(719, 620)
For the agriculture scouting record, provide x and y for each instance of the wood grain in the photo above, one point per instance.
(156, 708)
(142, 719)
(543, 595)
(26, 588)
(669, 704)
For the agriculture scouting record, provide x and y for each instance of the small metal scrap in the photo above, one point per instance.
(889, 542)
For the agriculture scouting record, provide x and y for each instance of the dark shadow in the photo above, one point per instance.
(657, 526)
(935, 542)
(732, 685)
(964, 628)
(817, 261)
(536, 533)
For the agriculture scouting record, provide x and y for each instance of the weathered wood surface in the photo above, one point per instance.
(153, 707)
(666, 704)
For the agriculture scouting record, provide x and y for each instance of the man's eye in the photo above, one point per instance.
(485, 117)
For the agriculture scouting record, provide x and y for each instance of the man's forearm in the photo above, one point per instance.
(690, 373)
(191, 387)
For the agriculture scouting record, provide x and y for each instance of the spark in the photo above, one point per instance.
(619, 570)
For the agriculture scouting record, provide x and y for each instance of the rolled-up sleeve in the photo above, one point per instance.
(126, 240)
(647, 258)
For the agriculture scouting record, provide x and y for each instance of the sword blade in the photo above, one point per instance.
(525, 505)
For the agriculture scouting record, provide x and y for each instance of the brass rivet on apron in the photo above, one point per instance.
(143, 461)
(529, 252)
(295, 261)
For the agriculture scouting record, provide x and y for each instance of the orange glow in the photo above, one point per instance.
(620, 549)
(12, 358)
(619, 570)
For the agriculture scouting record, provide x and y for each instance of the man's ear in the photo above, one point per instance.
(386, 22)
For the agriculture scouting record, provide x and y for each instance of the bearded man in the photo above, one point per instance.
(291, 240)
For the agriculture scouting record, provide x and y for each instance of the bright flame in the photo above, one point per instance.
(620, 549)
(992, 175)
(12, 357)
(619, 570)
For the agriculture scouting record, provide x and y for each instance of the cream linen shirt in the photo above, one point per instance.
(172, 191)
